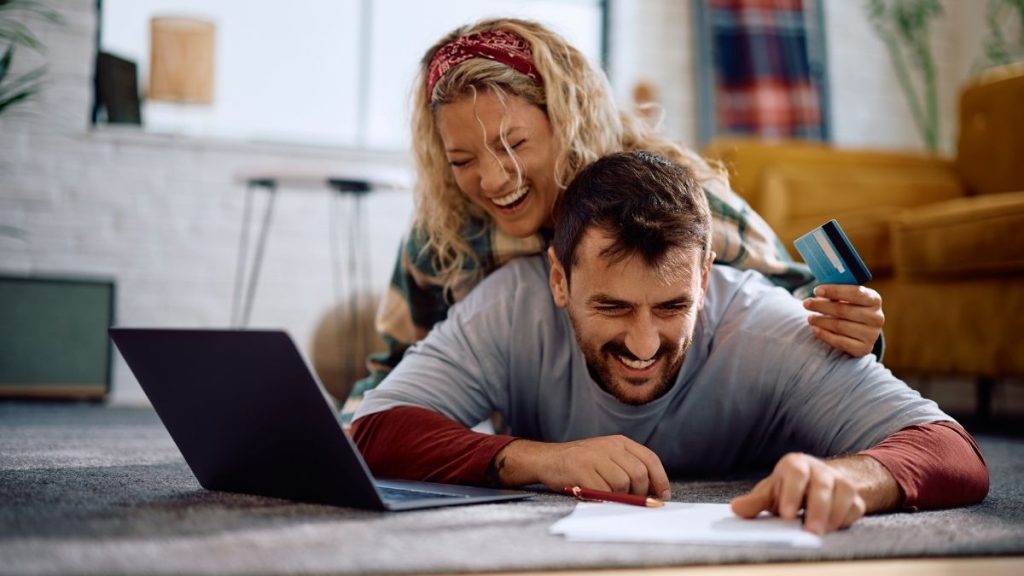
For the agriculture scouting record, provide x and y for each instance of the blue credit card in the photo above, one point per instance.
(831, 257)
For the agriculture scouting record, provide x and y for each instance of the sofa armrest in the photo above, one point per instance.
(964, 237)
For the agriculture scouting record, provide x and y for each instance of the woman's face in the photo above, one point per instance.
(472, 131)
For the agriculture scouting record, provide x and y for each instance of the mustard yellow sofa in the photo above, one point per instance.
(943, 237)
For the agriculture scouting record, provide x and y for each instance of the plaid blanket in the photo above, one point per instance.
(415, 300)
(764, 83)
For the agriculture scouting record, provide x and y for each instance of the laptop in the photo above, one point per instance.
(248, 416)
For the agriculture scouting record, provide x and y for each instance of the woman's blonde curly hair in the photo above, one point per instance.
(578, 103)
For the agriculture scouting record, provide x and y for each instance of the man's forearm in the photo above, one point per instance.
(516, 463)
(874, 483)
(932, 465)
(419, 444)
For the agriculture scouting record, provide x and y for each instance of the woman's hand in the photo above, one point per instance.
(848, 317)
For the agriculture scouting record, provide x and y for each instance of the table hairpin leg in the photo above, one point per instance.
(351, 288)
(245, 292)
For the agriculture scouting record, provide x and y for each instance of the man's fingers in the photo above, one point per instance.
(636, 470)
(843, 501)
(818, 502)
(855, 512)
(610, 463)
(657, 479)
(760, 498)
(794, 474)
(613, 476)
(830, 500)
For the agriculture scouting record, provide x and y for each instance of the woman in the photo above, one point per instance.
(505, 114)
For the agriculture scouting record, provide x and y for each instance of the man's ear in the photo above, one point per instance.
(559, 284)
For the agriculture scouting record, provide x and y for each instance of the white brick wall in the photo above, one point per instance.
(652, 41)
(162, 215)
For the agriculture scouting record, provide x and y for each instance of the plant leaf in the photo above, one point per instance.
(13, 232)
(34, 8)
(14, 30)
(5, 62)
(6, 101)
(27, 81)
(19, 34)
(25, 78)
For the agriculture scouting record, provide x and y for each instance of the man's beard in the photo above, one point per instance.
(598, 365)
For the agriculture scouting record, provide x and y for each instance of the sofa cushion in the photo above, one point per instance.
(961, 237)
(955, 326)
(747, 159)
(831, 188)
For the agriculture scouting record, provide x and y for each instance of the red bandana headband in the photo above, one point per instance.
(502, 46)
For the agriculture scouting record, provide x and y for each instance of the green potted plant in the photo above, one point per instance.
(15, 33)
(905, 28)
(1000, 48)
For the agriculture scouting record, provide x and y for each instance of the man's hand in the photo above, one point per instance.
(832, 494)
(849, 317)
(610, 463)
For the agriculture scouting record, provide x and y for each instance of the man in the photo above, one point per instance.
(649, 360)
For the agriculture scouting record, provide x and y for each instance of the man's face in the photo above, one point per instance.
(633, 322)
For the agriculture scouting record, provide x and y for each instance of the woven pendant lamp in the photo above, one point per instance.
(181, 60)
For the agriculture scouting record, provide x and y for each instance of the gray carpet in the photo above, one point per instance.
(86, 489)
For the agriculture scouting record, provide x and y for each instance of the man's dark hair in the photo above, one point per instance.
(647, 203)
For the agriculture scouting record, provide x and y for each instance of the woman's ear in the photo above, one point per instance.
(557, 280)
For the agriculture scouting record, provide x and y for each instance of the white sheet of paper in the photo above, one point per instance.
(679, 522)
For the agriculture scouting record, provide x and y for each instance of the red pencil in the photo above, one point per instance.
(587, 494)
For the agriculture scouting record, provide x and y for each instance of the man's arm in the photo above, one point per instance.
(417, 443)
(925, 466)
(936, 465)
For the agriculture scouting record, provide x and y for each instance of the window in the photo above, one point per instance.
(318, 71)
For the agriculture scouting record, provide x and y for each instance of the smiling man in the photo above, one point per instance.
(625, 356)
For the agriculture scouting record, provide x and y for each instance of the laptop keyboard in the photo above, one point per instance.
(402, 495)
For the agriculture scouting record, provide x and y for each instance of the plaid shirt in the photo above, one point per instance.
(415, 300)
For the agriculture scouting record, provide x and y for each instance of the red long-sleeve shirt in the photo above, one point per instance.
(936, 465)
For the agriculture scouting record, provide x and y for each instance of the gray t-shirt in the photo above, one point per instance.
(755, 384)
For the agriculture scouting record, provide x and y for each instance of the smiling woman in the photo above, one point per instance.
(480, 134)
(328, 73)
